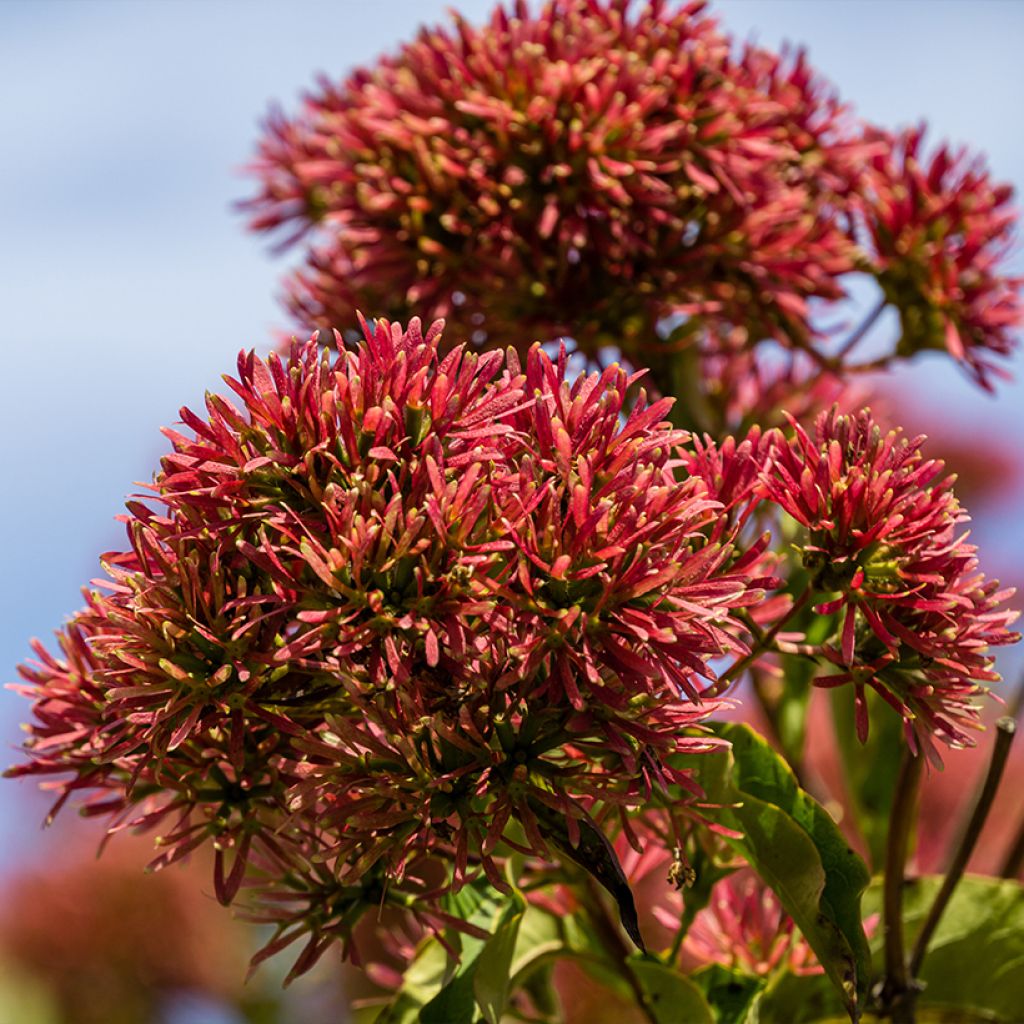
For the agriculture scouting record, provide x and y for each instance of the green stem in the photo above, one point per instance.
(761, 645)
(895, 997)
(1005, 729)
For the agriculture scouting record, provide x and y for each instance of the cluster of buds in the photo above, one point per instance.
(399, 609)
(881, 542)
(940, 230)
(597, 166)
(584, 171)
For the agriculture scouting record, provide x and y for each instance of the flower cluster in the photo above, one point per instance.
(745, 928)
(915, 617)
(939, 231)
(582, 170)
(597, 167)
(396, 610)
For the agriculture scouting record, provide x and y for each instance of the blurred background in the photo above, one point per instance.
(128, 284)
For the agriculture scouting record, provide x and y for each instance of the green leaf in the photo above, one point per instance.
(869, 768)
(493, 966)
(436, 991)
(454, 1004)
(975, 961)
(730, 994)
(545, 937)
(423, 977)
(797, 850)
(798, 999)
(672, 997)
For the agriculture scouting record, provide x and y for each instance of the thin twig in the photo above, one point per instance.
(1005, 729)
(737, 669)
(896, 986)
(1014, 857)
(866, 326)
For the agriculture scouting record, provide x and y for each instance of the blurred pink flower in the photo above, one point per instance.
(111, 944)
(744, 927)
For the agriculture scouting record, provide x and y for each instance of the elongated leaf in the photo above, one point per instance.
(595, 855)
(797, 850)
(494, 965)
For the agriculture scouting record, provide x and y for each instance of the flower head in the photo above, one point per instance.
(882, 543)
(390, 603)
(939, 229)
(579, 171)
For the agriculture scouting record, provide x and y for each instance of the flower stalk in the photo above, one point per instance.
(895, 992)
(1005, 729)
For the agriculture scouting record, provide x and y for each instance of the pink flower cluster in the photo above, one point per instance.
(391, 612)
(883, 546)
(596, 166)
(940, 231)
(745, 928)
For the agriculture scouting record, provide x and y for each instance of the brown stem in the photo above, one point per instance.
(1014, 856)
(1005, 729)
(760, 646)
(616, 944)
(851, 342)
(895, 996)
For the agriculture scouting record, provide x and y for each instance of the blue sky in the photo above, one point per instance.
(128, 284)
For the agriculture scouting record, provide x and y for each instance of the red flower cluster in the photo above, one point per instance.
(883, 542)
(392, 604)
(595, 167)
(582, 171)
(939, 231)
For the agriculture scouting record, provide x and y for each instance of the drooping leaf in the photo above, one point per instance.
(597, 857)
(797, 850)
